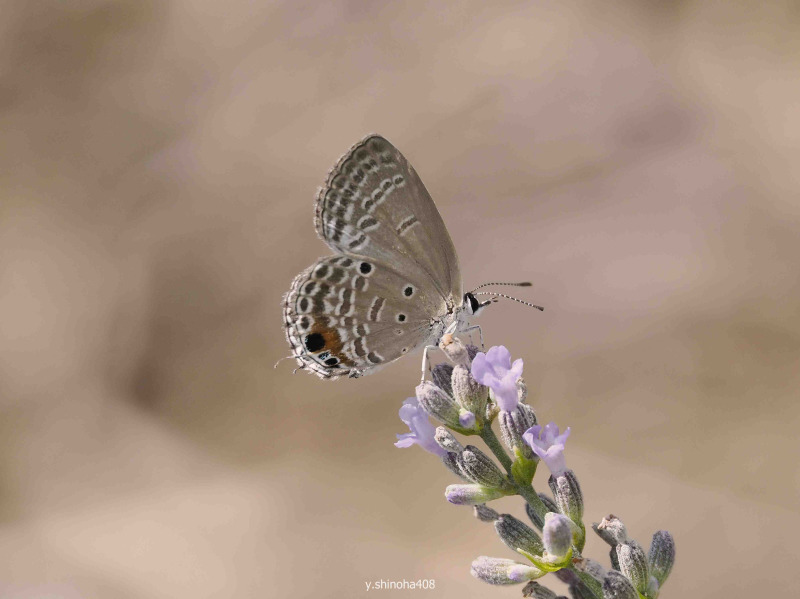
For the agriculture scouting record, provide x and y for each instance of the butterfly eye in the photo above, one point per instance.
(471, 303)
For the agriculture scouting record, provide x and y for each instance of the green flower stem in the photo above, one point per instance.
(529, 494)
(526, 491)
(488, 436)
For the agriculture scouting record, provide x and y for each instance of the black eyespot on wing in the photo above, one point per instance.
(408, 291)
(331, 361)
(365, 268)
(401, 318)
(314, 342)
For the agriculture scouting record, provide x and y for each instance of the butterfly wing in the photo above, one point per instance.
(374, 205)
(346, 316)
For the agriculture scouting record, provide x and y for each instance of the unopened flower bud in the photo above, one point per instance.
(447, 440)
(535, 518)
(580, 590)
(591, 567)
(517, 535)
(471, 494)
(530, 415)
(495, 570)
(662, 555)
(438, 404)
(485, 514)
(491, 411)
(653, 587)
(611, 530)
(468, 392)
(568, 496)
(441, 375)
(480, 468)
(450, 460)
(454, 349)
(513, 425)
(612, 556)
(472, 351)
(616, 586)
(633, 564)
(522, 390)
(557, 534)
(534, 590)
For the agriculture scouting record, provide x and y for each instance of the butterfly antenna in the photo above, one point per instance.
(496, 295)
(522, 284)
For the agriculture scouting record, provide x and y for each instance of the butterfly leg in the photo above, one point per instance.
(425, 361)
(472, 328)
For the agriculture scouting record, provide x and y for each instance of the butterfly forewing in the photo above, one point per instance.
(375, 205)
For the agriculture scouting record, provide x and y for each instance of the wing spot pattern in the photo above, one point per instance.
(375, 309)
(358, 242)
(407, 224)
(360, 347)
(346, 306)
(337, 275)
(368, 223)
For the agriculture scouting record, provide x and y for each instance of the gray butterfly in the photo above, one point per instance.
(393, 284)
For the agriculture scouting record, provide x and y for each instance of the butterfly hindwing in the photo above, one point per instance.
(375, 205)
(346, 316)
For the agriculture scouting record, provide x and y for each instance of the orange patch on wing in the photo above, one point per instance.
(322, 340)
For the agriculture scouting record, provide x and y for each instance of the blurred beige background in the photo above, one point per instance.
(636, 160)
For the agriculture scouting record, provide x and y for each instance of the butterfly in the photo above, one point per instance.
(393, 283)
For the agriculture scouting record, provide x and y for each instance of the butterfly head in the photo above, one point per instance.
(472, 306)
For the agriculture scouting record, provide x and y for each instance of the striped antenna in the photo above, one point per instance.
(496, 295)
(522, 284)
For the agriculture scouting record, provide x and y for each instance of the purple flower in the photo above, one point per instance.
(497, 570)
(471, 494)
(494, 369)
(557, 534)
(549, 446)
(466, 419)
(422, 431)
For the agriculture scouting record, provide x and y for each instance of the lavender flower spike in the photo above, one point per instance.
(549, 446)
(422, 431)
(494, 369)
